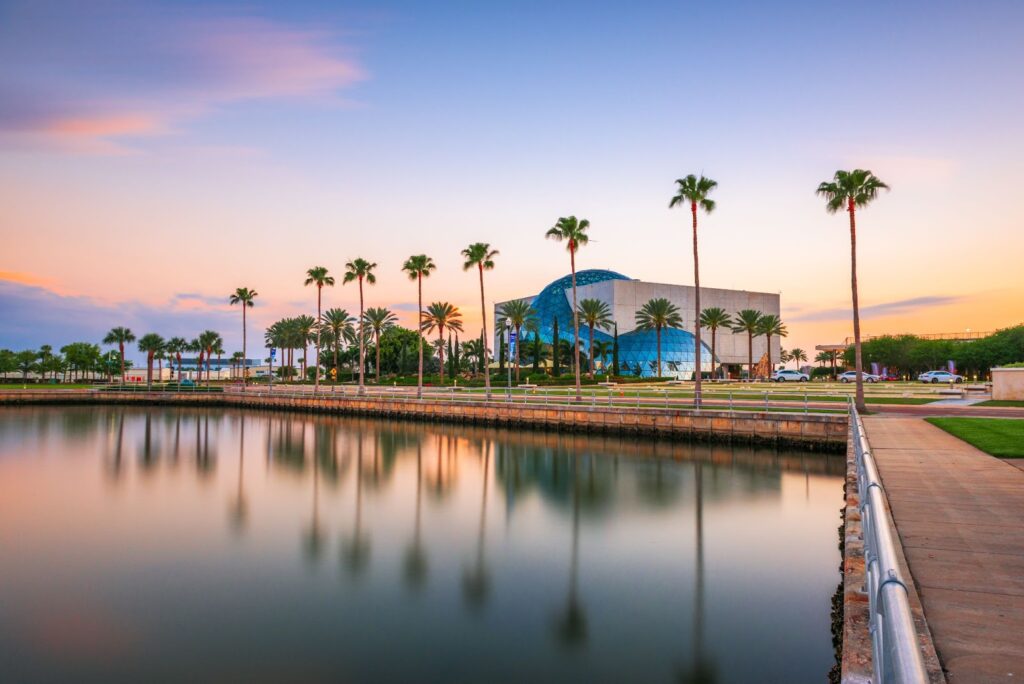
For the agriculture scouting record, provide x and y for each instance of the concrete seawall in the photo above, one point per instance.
(808, 431)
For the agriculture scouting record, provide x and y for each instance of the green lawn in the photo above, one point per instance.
(45, 386)
(1002, 437)
(1001, 402)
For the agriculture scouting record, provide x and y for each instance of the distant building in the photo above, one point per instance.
(638, 348)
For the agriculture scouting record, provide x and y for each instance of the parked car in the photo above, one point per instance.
(940, 376)
(789, 376)
(851, 376)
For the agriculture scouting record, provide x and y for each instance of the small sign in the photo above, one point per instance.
(273, 352)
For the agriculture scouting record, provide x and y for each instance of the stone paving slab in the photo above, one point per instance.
(960, 517)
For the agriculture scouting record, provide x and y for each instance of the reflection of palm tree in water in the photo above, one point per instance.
(700, 671)
(240, 510)
(355, 553)
(314, 537)
(148, 458)
(571, 627)
(476, 581)
(415, 556)
(115, 467)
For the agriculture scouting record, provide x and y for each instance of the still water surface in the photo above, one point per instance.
(143, 545)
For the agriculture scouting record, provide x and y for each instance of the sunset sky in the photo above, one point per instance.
(155, 156)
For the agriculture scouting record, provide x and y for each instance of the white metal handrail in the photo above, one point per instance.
(895, 651)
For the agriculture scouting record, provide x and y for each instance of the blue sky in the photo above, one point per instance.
(152, 148)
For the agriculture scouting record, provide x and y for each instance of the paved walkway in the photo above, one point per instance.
(960, 517)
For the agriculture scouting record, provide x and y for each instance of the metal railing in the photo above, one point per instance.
(895, 651)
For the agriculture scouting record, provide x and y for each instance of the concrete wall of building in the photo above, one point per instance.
(1008, 384)
(626, 297)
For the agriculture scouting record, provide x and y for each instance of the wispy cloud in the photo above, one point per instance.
(125, 70)
(404, 306)
(897, 308)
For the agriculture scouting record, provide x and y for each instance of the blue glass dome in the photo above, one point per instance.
(552, 302)
(638, 350)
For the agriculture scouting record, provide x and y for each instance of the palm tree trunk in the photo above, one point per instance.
(419, 335)
(244, 349)
(149, 369)
(768, 348)
(440, 351)
(483, 335)
(657, 332)
(362, 339)
(590, 344)
(858, 363)
(120, 346)
(714, 331)
(696, 301)
(750, 356)
(316, 378)
(575, 321)
(376, 341)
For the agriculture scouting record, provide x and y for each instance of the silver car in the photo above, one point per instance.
(789, 376)
(851, 376)
(940, 376)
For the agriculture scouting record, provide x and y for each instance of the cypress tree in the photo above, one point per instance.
(556, 369)
(615, 351)
(451, 365)
(455, 355)
(501, 351)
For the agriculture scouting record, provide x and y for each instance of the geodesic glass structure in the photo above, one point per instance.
(638, 349)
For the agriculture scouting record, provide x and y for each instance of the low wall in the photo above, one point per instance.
(1008, 384)
(813, 431)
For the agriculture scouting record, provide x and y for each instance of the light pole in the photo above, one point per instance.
(508, 353)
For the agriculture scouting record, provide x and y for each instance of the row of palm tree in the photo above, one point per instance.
(847, 190)
(156, 348)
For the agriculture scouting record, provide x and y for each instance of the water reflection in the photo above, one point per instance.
(689, 549)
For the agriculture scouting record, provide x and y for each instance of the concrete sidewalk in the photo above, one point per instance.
(960, 517)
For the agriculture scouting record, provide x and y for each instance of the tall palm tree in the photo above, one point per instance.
(419, 267)
(361, 270)
(520, 314)
(748, 321)
(574, 232)
(694, 191)
(175, 346)
(656, 315)
(339, 323)
(595, 314)
(120, 336)
(713, 318)
(797, 354)
(768, 326)
(150, 344)
(245, 297)
(480, 255)
(441, 316)
(318, 276)
(850, 190)
(379, 319)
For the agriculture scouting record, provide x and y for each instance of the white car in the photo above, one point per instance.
(940, 376)
(789, 376)
(851, 376)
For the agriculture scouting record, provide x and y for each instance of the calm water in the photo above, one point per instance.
(219, 546)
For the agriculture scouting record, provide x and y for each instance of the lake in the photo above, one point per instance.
(220, 545)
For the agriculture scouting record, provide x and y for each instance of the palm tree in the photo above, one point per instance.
(419, 267)
(595, 314)
(694, 191)
(379, 319)
(574, 232)
(339, 323)
(245, 297)
(302, 335)
(150, 344)
(440, 316)
(797, 354)
(481, 255)
(175, 346)
(713, 318)
(656, 315)
(849, 190)
(120, 336)
(360, 270)
(520, 314)
(207, 341)
(769, 325)
(318, 276)
(601, 350)
(748, 321)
